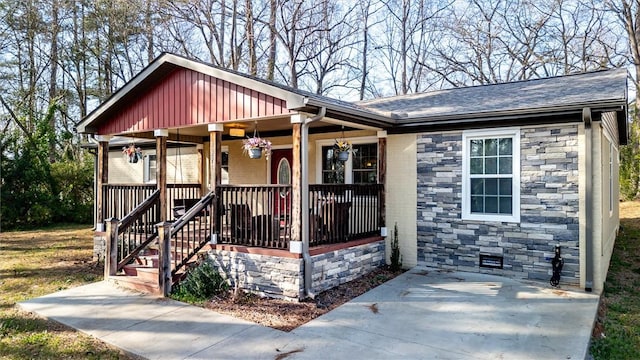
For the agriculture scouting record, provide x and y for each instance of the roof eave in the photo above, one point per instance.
(353, 114)
(603, 106)
(459, 121)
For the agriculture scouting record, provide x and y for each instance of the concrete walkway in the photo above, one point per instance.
(422, 314)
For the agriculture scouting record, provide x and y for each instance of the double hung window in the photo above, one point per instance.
(360, 168)
(491, 175)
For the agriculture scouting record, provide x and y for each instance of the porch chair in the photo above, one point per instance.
(240, 221)
(334, 224)
(181, 206)
(252, 230)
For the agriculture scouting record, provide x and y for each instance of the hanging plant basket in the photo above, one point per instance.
(255, 147)
(132, 153)
(255, 153)
(342, 148)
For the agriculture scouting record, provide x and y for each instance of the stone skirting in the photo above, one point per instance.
(549, 203)
(267, 275)
(99, 246)
(271, 275)
(340, 266)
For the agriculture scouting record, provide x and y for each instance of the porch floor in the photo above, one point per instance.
(424, 313)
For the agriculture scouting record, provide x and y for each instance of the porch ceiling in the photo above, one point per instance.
(263, 125)
(280, 126)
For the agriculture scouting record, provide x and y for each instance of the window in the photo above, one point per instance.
(332, 169)
(225, 166)
(360, 168)
(150, 165)
(491, 175)
(365, 164)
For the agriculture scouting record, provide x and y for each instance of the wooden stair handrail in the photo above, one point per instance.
(126, 222)
(192, 213)
(189, 215)
(136, 251)
(139, 210)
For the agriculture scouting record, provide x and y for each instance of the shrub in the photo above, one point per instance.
(396, 258)
(201, 284)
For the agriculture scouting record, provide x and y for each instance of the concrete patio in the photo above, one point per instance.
(422, 314)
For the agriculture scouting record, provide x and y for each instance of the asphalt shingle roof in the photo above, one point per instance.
(598, 87)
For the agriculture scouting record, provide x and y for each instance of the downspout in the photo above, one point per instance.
(588, 198)
(304, 186)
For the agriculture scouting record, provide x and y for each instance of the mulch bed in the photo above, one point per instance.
(287, 315)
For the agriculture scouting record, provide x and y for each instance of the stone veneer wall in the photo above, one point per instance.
(276, 276)
(338, 267)
(99, 246)
(548, 207)
(267, 275)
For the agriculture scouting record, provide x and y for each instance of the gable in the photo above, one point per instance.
(186, 98)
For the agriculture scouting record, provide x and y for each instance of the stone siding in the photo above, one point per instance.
(283, 277)
(548, 207)
(99, 246)
(338, 267)
(267, 275)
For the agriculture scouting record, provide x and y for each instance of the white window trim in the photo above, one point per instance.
(466, 184)
(225, 149)
(146, 174)
(348, 165)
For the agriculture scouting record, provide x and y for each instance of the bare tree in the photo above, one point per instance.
(295, 30)
(332, 50)
(628, 12)
(251, 38)
(408, 34)
(367, 11)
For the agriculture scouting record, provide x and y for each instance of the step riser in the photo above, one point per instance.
(137, 285)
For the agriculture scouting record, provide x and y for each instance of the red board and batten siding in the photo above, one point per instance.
(186, 98)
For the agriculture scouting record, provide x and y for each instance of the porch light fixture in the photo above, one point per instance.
(236, 132)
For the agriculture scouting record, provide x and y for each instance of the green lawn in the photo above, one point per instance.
(617, 334)
(35, 263)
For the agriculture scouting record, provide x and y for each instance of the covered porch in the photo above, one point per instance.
(300, 202)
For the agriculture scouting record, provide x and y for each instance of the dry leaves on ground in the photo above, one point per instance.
(287, 315)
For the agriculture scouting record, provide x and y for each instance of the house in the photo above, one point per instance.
(485, 179)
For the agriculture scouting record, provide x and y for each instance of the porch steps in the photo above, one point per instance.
(137, 284)
(142, 275)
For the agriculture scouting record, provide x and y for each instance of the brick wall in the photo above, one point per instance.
(548, 210)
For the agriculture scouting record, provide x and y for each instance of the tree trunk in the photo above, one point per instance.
(271, 62)
(251, 42)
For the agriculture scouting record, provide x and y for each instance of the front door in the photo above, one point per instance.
(281, 160)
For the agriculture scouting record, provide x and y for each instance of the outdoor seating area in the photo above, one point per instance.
(259, 215)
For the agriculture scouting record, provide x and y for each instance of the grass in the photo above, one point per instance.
(39, 262)
(617, 334)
